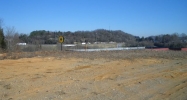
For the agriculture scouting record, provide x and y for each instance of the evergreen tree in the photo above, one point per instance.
(2, 40)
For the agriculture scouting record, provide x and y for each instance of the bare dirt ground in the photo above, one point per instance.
(124, 75)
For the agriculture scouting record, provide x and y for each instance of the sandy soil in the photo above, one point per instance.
(50, 78)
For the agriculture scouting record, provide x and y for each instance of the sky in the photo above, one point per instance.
(136, 17)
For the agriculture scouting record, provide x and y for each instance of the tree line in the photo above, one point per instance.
(174, 40)
(99, 35)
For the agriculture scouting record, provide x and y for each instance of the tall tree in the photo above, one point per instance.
(12, 38)
(2, 40)
(2, 37)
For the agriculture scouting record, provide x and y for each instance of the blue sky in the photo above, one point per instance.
(137, 17)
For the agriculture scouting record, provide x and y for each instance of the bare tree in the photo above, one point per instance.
(12, 38)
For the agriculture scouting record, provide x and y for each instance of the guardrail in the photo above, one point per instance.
(109, 49)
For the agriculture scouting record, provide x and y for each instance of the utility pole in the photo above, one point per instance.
(96, 37)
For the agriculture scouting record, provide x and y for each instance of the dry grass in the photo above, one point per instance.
(128, 54)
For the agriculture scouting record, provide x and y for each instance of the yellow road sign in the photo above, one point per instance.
(61, 39)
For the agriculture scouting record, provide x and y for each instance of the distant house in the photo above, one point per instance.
(83, 43)
(21, 44)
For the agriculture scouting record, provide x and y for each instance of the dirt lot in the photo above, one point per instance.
(122, 75)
